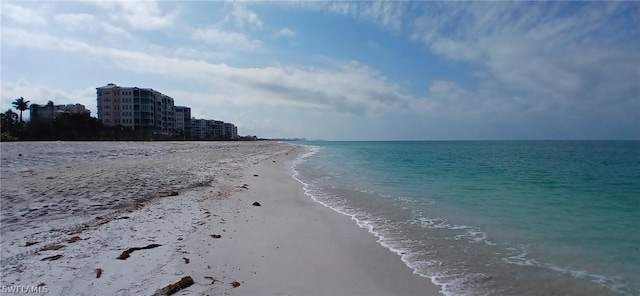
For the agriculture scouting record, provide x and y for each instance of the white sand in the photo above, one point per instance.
(114, 196)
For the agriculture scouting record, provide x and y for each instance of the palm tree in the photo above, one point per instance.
(8, 120)
(21, 104)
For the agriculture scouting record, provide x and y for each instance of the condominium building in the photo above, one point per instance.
(230, 131)
(154, 114)
(205, 128)
(183, 121)
(46, 113)
(217, 129)
(213, 129)
(141, 109)
(198, 128)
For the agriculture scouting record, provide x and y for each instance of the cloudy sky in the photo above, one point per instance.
(343, 70)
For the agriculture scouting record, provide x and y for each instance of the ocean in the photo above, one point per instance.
(492, 217)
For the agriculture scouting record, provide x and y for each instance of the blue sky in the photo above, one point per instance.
(366, 70)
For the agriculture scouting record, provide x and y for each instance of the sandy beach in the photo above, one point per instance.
(133, 218)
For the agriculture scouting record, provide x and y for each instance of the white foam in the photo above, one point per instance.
(522, 258)
(450, 283)
(365, 221)
(612, 283)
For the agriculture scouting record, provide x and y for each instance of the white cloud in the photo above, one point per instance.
(244, 17)
(454, 50)
(219, 37)
(91, 23)
(141, 15)
(544, 54)
(22, 15)
(558, 59)
(286, 32)
(386, 14)
(351, 88)
(77, 21)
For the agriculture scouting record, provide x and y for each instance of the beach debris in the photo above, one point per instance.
(51, 248)
(235, 284)
(245, 186)
(186, 260)
(171, 289)
(98, 272)
(123, 217)
(27, 244)
(213, 280)
(128, 252)
(216, 236)
(169, 193)
(74, 239)
(256, 204)
(255, 175)
(51, 258)
(98, 221)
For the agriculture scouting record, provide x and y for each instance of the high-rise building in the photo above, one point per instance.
(141, 109)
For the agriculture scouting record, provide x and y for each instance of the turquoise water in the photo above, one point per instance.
(494, 217)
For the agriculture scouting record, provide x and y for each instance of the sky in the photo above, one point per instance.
(366, 70)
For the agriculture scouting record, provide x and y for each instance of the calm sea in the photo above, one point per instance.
(493, 217)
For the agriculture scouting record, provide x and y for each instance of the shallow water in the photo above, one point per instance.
(500, 218)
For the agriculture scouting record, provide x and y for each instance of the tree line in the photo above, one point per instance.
(64, 126)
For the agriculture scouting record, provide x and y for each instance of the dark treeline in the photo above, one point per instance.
(74, 127)
(77, 127)
(65, 127)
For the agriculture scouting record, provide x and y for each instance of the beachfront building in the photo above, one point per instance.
(217, 129)
(213, 129)
(183, 122)
(140, 109)
(205, 129)
(46, 113)
(230, 131)
(197, 128)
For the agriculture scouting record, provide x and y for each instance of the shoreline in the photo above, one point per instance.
(306, 248)
(289, 244)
